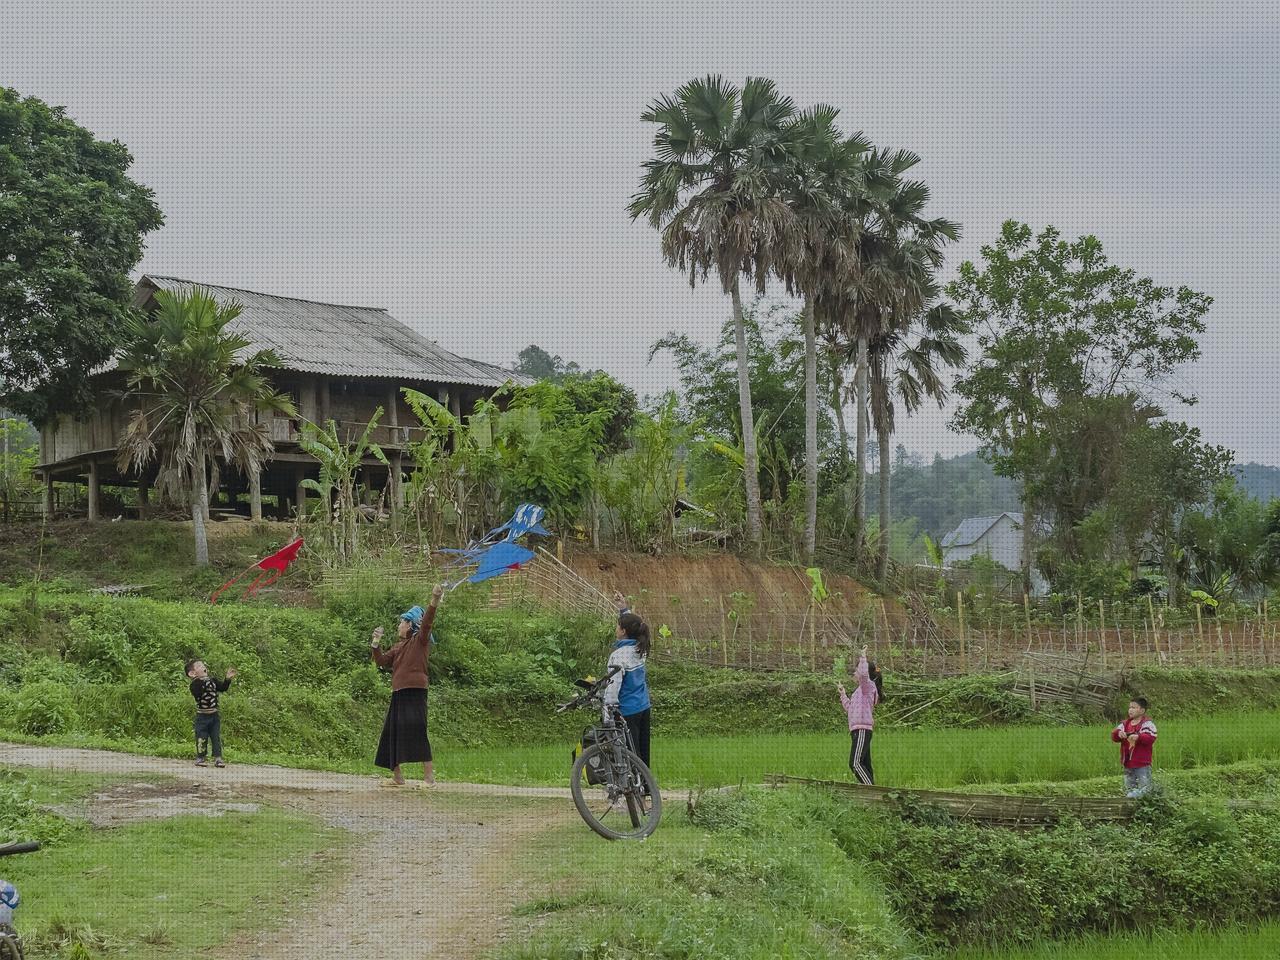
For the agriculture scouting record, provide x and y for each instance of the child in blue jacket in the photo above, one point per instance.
(629, 689)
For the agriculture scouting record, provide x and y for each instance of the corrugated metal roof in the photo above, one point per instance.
(337, 340)
(973, 529)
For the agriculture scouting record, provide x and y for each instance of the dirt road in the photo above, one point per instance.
(433, 873)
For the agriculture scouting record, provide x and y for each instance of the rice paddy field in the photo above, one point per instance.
(940, 758)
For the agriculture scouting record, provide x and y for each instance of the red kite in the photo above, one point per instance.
(272, 566)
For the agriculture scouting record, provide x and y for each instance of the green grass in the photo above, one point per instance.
(1260, 943)
(166, 889)
(783, 892)
(903, 757)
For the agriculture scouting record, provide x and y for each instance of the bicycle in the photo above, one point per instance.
(607, 775)
(10, 942)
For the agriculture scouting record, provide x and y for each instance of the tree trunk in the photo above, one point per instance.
(810, 432)
(750, 457)
(837, 407)
(886, 517)
(255, 495)
(860, 458)
(199, 500)
(1028, 526)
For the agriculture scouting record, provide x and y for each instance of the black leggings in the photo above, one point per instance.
(638, 728)
(860, 756)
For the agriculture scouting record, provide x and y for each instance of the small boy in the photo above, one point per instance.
(1137, 737)
(208, 723)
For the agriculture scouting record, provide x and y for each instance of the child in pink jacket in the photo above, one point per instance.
(859, 707)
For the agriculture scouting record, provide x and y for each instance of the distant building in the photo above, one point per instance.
(998, 537)
(337, 362)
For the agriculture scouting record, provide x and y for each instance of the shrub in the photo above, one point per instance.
(45, 707)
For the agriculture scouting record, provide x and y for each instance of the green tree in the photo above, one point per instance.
(1056, 320)
(19, 452)
(71, 229)
(197, 394)
(775, 367)
(713, 190)
(535, 362)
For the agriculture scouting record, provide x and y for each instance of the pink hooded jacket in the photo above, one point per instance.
(859, 706)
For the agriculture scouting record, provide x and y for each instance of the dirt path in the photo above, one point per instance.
(431, 875)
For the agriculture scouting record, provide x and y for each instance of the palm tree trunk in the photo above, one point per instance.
(860, 458)
(199, 500)
(837, 407)
(750, 457)
(810, 432)
(886, 515)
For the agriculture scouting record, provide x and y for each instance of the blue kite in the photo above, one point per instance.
(497, 551)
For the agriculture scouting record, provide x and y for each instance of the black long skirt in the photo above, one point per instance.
(404, 732)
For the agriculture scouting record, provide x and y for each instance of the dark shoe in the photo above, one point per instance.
(201, 762)
(219, 763)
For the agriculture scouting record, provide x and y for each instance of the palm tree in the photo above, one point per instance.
(713, 190)
(198, 398)
(903, 359)
(880, 289)
(826, 189)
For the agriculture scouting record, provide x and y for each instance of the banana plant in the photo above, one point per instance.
(339, 461)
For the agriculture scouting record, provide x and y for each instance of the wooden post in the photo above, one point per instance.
(1155, 634)
(1102, 634)
(1080, 621)
(48, 495)
(255, 495)
(321, 388)
(1026, 609)
(93, 490)
(964, 655)
(1200, 628)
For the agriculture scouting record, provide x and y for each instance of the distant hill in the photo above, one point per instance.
(1259, 480)
(942, 493)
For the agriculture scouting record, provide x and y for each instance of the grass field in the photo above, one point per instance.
(903, 757)
(1260, 943)
(137, 891)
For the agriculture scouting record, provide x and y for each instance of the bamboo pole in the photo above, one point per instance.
(964, 657)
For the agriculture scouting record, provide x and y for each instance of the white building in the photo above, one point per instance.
(998, 537)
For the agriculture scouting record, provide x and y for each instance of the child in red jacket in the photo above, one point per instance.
(1137, 737)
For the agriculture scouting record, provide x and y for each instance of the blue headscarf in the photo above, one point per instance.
(414, 616)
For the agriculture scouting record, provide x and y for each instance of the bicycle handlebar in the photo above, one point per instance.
(591, 692)
(15, 848)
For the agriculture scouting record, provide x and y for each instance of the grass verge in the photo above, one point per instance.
(165, 889)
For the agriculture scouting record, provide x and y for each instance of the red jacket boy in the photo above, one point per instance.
(1137, 737)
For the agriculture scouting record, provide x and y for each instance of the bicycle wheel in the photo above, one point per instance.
(618, 808)
(10, 945)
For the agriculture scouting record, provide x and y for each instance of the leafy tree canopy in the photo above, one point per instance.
(71, 229)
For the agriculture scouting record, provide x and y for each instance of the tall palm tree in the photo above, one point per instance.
(197, 398)
(873, 296)
(825, 188)
(713, 191)
(917, 337)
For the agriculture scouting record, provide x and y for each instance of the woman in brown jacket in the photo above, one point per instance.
(404, 732)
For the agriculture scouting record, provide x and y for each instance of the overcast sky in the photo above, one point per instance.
(467, 165)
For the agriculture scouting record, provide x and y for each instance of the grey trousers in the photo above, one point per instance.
(1137, 782)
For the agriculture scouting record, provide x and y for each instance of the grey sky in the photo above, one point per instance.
(467, 165)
